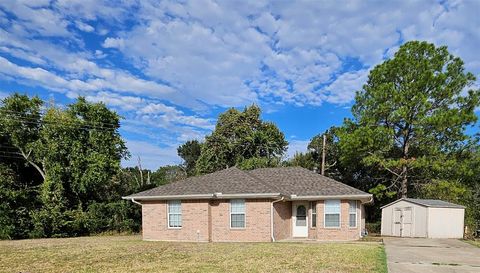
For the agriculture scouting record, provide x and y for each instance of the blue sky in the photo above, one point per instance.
(169, 68)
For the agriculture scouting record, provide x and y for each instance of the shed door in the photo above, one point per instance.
(397, 222)
(407, 222)
(402, 222)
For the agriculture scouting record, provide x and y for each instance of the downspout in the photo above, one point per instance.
(136, 202)
(271, 217)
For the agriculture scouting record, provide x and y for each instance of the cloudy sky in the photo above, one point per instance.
(169, 68)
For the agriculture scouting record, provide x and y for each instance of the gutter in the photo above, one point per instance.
(324, 197)
(271, 217)
(203, 196)
(136, 202)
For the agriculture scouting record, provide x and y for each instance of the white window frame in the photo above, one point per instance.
(350, 213)
(325, 213)
(244, 214)
(168, 214)
(313, 204)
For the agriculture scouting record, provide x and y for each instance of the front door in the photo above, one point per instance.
(300, 219)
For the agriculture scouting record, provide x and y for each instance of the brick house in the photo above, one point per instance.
(261, 205)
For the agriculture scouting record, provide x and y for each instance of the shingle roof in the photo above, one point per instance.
(302, 182)
(287, 181)
(228, 181)
(434, 203)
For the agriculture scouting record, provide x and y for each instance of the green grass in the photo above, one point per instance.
(131, 254)
(474, 242)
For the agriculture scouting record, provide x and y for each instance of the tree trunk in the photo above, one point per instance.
(404, 181)
(27, 158)
(404, 186)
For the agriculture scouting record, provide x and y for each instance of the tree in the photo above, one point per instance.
(76, 151)
(239, 136)
(413, 108)
(190, 152)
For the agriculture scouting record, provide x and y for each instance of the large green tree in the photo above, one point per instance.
(240, 136)
(190, 152)
(411, 114)
(76, 151)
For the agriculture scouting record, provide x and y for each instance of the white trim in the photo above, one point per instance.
(168, 215)
(333, 197)
(313, 204)
(339, 215)
(244, 214)
(356, 214)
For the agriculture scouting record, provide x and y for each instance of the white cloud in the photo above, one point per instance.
(151, 156)
(84, 27)
(296, 146)
(3, 95)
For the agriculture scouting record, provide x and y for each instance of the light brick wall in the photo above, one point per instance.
(257, 222)
(282, 220)
(344, 232)
(195, 218)
(194, 221)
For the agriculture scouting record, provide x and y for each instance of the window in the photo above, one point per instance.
(175, 214)
(313, 206)
(332, 213)
(352, 212)
(237, 213)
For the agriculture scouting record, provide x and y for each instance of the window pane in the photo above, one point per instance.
(332, 220)
(313, 205)
(353, 220)
(238, 220)
(352, 206)
(174, 206)
(332, 206)
(237, 206)
(175, 220)
(314, 220)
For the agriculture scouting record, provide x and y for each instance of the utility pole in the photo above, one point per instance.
(323, 153)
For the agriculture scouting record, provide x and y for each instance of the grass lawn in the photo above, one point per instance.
(474, 242)
(131, 254)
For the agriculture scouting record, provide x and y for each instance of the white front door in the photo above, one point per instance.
(300, 219)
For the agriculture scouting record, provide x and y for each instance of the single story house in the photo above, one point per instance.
(425, 218)
(260, 205)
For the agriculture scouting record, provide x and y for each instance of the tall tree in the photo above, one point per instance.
(190, 152)
(240, 136)
(413, 108)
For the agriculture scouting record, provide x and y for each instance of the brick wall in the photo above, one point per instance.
(282, 220)
(344, 232)
(198, 226)
(194, 221)
(257, 222)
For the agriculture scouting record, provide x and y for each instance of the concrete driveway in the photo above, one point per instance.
(431, 255)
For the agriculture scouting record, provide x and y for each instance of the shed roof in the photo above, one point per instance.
(433, 203)
(293, 182)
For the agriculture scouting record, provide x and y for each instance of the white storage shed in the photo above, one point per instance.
(425, 218)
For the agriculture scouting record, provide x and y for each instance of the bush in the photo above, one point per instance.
(373, 227)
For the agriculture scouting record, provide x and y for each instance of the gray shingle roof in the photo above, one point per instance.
(275, 181)
(433, 203)
(302, 182)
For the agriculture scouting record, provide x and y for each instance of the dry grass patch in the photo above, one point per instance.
(131, 254)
